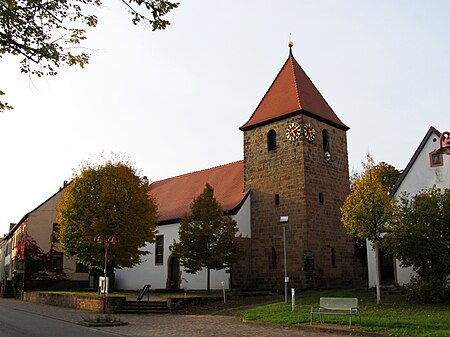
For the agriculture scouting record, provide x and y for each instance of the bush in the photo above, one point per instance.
(427, 291)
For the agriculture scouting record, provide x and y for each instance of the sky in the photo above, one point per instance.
(172, 101)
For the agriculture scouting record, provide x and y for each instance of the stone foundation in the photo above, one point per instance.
(88, 303)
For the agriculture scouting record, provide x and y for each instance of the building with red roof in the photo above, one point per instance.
(292, 93)
(174, 197)
(174, 202)
(285, 197)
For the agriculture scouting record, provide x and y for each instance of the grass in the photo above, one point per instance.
(134, 294)
(395, 316)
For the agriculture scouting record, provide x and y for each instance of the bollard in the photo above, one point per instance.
(223, 288)
(293, 298)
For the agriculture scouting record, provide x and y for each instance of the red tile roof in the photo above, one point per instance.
(174, 195)
(292, 92)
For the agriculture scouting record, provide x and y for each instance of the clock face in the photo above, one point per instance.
(293, 131)
(310, 133)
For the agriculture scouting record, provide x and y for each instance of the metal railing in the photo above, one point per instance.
(141, 295)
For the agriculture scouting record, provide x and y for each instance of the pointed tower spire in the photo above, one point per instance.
(292, 93)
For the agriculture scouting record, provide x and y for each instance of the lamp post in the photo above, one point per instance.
(106, 241)
(284, 220)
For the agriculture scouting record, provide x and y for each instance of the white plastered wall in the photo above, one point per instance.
(156, 275)
(403, 275)
(420, 176)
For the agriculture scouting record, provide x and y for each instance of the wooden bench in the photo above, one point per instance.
(336, 306)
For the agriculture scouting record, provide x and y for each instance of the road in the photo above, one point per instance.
(18, 323)
(23, 319)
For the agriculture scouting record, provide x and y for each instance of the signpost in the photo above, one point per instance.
(284, 220)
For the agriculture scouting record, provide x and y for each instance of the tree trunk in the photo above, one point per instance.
(378, 275)
(208, 281)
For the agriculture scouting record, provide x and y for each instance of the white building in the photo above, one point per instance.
(425, 170)
(173, 196)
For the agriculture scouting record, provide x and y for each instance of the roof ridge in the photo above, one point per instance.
(266, 93)
(318, 91)
(411, 162)
(199, 171)
(297, 90)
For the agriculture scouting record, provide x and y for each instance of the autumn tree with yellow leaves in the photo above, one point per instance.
(109, 199)
(367, 211)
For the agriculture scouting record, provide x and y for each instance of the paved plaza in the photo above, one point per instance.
(172, 324)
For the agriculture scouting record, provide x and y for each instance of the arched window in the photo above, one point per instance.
(326, 144)
(271, 140)
(333, 258)
(273, 259)
(325, 141)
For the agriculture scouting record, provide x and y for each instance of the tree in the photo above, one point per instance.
(107, 199)
(424, 221)
(367, 210)
(48, 33)
(388, 175)
(37, 267)
(207, 238)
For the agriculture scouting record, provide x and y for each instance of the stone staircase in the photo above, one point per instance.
(144, 307)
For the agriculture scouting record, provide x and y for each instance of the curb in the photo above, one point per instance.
(101, 324)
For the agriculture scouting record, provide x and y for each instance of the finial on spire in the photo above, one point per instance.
(290, 44)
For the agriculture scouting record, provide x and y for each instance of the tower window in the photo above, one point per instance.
(271, 140)
(333, 258)
(277, 199)
(273, 259)
(321, 198)
(326, 144)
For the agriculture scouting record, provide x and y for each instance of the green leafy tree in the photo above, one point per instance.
(420, 238)
(367, 210)
(108, 200)
(388, 175)
(207, 238)
(48, 33)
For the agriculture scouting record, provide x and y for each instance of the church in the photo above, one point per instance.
(285, 196)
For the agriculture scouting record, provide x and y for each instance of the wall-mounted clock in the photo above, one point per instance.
(309, 132)
(293, 131)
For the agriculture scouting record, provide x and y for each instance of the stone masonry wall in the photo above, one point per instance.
(94, 304)
(297, 172)
(327, 186)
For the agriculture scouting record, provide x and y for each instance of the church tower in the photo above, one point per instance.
(296, 166)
